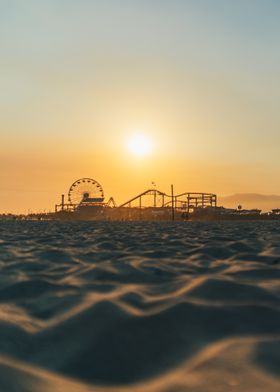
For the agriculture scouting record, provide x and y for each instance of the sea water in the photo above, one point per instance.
(139, 306)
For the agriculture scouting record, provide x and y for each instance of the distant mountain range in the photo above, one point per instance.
(250, 200)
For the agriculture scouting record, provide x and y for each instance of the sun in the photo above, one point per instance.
(139, 144)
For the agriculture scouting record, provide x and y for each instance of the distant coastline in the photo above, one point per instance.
(251, 200)
(239, 206)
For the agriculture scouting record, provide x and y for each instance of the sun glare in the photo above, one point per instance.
(139, 144)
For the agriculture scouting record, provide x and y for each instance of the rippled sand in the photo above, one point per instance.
(167, 307)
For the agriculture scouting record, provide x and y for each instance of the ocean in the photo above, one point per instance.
(139, 306)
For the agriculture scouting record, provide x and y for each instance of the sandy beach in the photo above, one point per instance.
(139, 306)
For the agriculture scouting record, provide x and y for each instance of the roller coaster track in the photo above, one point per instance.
(186, 200)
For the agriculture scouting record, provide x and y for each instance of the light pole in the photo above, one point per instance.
(172, 201)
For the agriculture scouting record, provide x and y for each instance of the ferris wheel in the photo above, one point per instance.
(85, 190)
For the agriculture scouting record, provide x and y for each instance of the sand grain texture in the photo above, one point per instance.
(123, 306)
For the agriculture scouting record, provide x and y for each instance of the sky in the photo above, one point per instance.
(199, 79)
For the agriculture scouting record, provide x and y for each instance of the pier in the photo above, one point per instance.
(86, 201)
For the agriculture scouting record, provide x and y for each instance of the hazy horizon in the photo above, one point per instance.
(200, 79)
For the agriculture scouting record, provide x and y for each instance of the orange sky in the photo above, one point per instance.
(199, 78)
